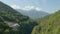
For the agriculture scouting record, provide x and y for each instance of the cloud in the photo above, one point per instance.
(15, 6)
(28, 7)
(38, 9)
(32, 7)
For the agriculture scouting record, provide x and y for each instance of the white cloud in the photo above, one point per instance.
(38, 9)
(28, 7)
(15, 6)
(32, 7)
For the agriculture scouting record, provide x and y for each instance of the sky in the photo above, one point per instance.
(46, 5)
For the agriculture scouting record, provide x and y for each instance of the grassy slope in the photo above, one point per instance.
(48, 25)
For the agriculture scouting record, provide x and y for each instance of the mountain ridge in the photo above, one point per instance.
(33, 13)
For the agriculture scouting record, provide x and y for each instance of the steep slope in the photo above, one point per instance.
(10, 14)
(34, 13)
(13, 22)
(48, 25)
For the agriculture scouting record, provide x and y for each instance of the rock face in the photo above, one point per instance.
(14, 26)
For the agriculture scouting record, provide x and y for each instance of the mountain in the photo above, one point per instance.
(33, 13)
(48, 25)
(13, 22)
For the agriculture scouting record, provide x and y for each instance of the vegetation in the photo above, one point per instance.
(13, 22)
(9, 16)
(48, 25)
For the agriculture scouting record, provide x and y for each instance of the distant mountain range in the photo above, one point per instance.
(33, 13)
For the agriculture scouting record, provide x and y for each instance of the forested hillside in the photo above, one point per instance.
(48, 25)
(13, 22)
